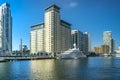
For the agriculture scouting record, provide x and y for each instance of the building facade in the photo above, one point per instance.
(5, 28)
(107, 40)
(54, 37)
(37, 38)
(77, 38)
(97, 50)
(82, 40)
(66, 36)
(86, 42)
(52, 29)
(103, 49)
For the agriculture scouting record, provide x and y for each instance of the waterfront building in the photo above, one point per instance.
(107, 40)
(66, 36)
(97, 49)
(37, 38)
(77, 38)
(5, 29)
(118, 50)
(104, 49)
(57, 32)
(54, 36)
(86, 42)
(82, 40)
(52, 29)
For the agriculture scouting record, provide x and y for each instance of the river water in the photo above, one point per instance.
(92, 68)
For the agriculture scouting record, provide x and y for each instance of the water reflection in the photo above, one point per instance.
(97, 68)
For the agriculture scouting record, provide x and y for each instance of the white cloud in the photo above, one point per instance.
(73, 4)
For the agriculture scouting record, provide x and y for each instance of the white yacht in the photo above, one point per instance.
(71, 54)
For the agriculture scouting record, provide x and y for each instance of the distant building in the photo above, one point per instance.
(103, 49)
(37, 38)
(5, 28)
(82, 40)
(86, 42)
(77, 38)
(97, 50)
(118, 50)
(24, 48)
(107, 40)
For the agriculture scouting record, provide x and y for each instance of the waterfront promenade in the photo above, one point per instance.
(12, 58)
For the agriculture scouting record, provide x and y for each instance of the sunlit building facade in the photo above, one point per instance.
(37, 38)
(55, 34)
(52, 29)
(107, 40)
(103, 49)
(5, 28)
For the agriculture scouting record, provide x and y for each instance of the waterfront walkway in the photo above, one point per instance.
(12, 58)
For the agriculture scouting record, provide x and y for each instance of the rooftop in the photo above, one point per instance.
(53, 5)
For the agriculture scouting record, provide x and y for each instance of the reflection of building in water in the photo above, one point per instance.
(45, 68)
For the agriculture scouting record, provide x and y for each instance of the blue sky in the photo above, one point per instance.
(93, 16)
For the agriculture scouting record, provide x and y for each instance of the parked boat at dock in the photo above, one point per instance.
(74, 53)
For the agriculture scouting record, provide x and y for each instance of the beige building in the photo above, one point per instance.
(66, 36)
(97, 50)
(54, 37)
(57, 32)
(101, 49)
(104, 49)
(52, 29)
(36, 38)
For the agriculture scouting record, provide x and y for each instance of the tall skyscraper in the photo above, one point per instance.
(5, 28)
(52, 29)
(107, 40)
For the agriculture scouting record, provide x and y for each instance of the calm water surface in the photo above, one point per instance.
(93, 68)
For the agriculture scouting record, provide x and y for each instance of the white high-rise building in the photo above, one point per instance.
(57, 33)
(52, 29)
(5, 28)
(54, 37)
(107, 40)
(37, 38)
